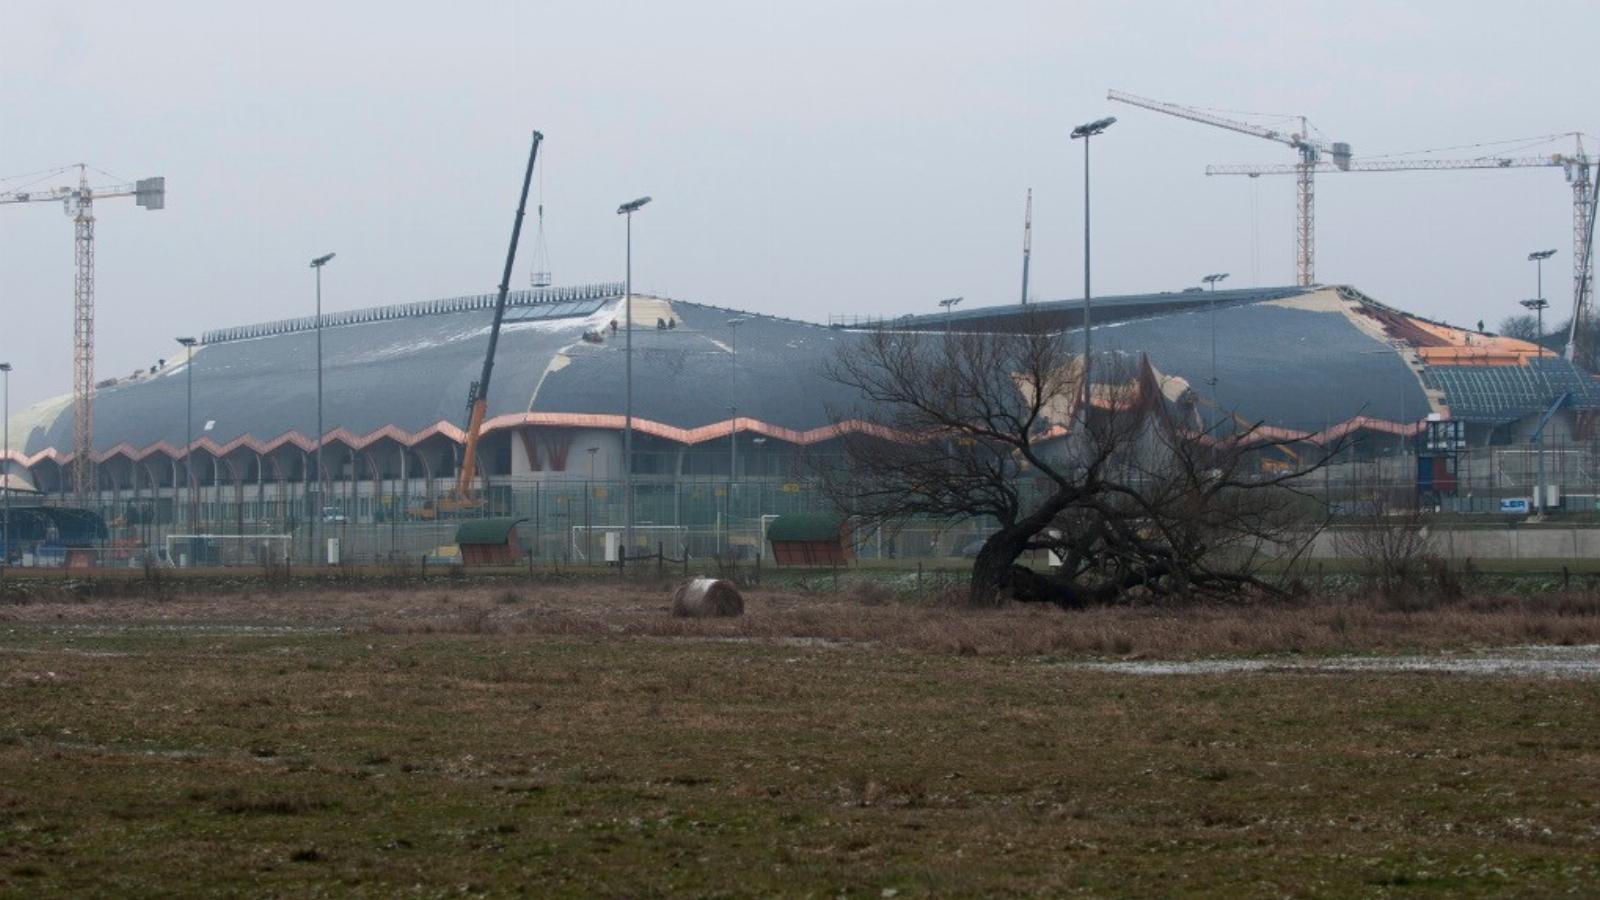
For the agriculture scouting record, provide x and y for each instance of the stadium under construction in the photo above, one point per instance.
(726, 405)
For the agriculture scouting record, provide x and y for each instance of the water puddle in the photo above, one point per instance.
(217, 629)
(1581, 661)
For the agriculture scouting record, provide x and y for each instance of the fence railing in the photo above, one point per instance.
(568, 521)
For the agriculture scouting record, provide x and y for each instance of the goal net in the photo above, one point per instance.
(228, 549)
(592, 544)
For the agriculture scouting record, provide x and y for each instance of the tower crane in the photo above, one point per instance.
(1577, 167)
(78, 202)
(1313, 156)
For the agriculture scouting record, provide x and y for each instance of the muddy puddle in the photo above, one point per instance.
(1520, 662)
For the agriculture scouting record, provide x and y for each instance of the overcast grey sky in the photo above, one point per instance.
(805, 158)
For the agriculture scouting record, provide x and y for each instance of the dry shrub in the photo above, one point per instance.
(606, 610)
(1394, 548)
(871, 593)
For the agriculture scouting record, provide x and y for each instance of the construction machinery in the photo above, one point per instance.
(478, 394)
(1577, 168)
(1314, 155)
(150, 193)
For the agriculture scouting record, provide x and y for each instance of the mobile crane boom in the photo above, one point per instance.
(478, 394)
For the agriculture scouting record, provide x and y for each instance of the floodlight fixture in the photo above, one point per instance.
(632, 206)
(1090, 129)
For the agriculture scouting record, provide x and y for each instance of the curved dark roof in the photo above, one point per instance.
(1301, 360)
(408, 376)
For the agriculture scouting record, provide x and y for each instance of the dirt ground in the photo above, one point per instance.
(576, 740)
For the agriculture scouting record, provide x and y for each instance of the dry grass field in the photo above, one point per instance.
(574, 739)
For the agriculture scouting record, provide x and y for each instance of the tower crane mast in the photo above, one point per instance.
(78, 202)
(1312, 155)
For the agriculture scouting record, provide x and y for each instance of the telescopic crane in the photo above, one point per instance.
(78, 202)
(478, 394)
(1312, 153)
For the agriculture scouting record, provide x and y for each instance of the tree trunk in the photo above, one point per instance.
(992, 569)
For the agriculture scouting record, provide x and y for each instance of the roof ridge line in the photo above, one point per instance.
(465, 303)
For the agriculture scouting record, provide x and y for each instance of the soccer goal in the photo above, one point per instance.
(592, 544)
(228, 549)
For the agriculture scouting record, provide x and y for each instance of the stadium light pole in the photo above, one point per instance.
(316, 511)
(588, 523)
(1087, 131)
(5, 469)
(627, 210)
(949, 304)
(733, 408)
(1538, 257)
(1538, 305)
(188, 422)
(1212, 280)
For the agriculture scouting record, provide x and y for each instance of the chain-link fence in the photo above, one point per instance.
(580, 522)
(574, 523)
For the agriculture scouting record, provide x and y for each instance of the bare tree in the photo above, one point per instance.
(1524, 327)
(1588, 340)
(1127, 490)
(1391, 542)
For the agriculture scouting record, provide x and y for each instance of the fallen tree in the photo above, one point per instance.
(1115, 476)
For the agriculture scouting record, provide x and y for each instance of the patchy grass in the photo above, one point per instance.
(580, 741)
(936, 622)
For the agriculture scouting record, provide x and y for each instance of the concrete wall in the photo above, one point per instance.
(1556, 544)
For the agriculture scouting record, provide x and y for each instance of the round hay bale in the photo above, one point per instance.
(701, 597)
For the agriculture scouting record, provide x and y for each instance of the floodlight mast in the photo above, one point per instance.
(1086, 131)
(627, 210)
(478, 394)
(316, 265)
(949, 304)
(1538, 305)
(1212, 280)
